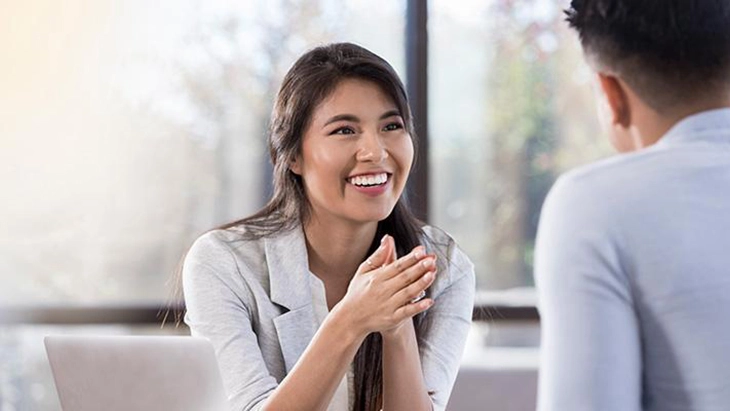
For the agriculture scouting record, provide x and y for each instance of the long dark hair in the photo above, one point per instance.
(311, 79)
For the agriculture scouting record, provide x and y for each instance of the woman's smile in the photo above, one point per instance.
(370, 184)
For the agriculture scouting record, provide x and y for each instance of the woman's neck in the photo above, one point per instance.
(336, 249)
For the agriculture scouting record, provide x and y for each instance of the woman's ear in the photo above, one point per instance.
(617, 99)
(295, 166)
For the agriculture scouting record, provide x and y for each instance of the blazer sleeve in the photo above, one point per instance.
(591, 349)
(444, 328)
(217, 308)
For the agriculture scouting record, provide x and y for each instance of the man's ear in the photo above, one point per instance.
(296, 166)
(617, 98)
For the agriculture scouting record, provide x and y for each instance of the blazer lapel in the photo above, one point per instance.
(295, 329)
(286, 257)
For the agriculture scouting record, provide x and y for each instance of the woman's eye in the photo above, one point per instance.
(393, 126)
(343, 130)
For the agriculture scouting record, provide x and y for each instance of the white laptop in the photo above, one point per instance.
(135, 373)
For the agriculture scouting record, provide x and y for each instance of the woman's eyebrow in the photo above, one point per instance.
(390, 113)
(342, 117)
(353, 118)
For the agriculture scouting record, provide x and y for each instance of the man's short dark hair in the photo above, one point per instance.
(668, 51)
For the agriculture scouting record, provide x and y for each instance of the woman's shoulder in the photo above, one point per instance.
(438, 240)
(437, 236)
(452, 258)
(217, 240)
(225, 246)
(243, 244)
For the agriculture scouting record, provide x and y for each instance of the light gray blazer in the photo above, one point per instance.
(253, 301)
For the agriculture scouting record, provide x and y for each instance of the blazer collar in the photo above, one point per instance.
(286, 257)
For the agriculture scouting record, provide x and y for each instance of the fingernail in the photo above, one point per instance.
(382, 240)
(418, 254)
(427, 262)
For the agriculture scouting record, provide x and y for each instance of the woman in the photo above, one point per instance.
(316, 302)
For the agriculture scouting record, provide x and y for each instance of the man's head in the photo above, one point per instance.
(669, 53)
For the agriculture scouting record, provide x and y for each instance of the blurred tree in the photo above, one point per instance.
(523, 137)
(542, 124)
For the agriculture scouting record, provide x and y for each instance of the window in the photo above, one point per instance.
(129, 129)
(126, 130)
(510, 108)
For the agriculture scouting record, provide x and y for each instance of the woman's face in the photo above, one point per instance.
(356, 155)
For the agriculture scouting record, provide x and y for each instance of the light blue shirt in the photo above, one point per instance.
(632, 267)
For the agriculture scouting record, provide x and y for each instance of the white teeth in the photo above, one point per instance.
(370, 180)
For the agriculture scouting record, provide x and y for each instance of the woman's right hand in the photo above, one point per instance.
(380, 293)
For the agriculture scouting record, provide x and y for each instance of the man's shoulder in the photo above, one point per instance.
(598, 194)
(618, 176)
(610, 169)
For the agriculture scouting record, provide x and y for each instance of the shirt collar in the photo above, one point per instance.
(286, 257)
(712, 126)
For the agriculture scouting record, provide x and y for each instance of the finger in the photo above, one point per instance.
(414, 272)
(412, 291)
(376, 259)
(393, 254)
(413, 309)
(395, 268)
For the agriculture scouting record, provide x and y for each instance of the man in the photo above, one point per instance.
(633, 253)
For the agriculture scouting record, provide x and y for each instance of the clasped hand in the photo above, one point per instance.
(381, 293)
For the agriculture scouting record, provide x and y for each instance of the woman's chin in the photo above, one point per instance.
(372, 216)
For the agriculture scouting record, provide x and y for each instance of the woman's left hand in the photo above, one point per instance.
(381, 295)
(405, 328)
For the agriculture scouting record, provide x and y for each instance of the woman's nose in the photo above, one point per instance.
(371, 149)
